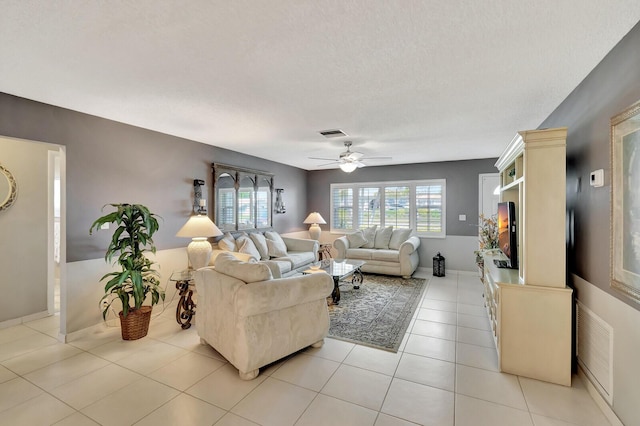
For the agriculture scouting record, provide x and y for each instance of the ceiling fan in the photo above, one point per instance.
(348, 160)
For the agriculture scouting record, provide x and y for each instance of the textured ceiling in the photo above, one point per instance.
(419, 81)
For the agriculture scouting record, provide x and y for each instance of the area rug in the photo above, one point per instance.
(378, 313)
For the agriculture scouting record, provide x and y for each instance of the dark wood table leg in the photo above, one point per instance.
(336, 290)
(186, 308)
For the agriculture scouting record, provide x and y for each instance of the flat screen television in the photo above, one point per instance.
(507, 235)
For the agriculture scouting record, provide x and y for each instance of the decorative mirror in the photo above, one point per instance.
(8, 188)
(242, 198)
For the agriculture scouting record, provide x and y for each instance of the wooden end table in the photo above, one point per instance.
(186, 308)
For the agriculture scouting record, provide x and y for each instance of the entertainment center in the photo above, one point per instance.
(530, 308)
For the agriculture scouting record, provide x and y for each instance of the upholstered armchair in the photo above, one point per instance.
(252, 319)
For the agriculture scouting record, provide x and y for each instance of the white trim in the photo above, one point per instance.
(598, 399)
(21, 320)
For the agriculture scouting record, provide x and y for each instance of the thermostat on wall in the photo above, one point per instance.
(597, 178)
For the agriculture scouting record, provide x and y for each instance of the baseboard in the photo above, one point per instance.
(429, 271)
(22, 320)
(599, 400)
(76, 335)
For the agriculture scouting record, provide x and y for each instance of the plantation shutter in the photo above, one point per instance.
(429, 209)
(368, 207)
(342, 205)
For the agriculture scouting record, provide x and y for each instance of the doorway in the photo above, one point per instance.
(489, 193)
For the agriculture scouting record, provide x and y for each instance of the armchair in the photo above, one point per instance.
(254, 320)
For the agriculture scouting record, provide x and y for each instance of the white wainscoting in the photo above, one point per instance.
(83, 290)
(625, 322)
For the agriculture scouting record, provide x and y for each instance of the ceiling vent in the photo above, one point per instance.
(333, 133)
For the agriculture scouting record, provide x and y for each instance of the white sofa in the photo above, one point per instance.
(396, 257)
(252, 319)
(295, 256)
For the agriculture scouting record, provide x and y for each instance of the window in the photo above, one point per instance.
(341, 208)
(419, 205)
(226, 209)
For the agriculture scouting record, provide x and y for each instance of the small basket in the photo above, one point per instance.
(136, 325)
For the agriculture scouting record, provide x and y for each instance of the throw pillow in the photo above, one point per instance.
(356, 239)
(276, 249)
(261, 244)
(245, 245)
(398, 237)
(370, 236)
(383, 236)
(249, 272)
(227, 243)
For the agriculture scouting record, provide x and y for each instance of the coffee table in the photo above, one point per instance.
(340, 269)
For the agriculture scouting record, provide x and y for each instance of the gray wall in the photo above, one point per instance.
(110, 162)
(610, 88)
(23, 231)
(462, 187)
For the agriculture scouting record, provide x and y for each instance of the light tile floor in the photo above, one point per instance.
(445, 373)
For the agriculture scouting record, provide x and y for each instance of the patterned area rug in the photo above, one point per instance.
(377, 314)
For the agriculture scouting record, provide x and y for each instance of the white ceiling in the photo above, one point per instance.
(420, 81)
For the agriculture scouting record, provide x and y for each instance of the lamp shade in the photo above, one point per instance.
(348, 167)
(314, 218)
(199, 226)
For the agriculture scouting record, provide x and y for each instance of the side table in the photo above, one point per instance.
(324, 252)
(186, 308)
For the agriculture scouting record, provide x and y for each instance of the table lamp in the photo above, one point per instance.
(199, 228)
(314, 230)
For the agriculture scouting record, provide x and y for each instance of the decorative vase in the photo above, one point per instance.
(136, 324)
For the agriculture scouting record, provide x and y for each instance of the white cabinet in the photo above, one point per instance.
(530, 308)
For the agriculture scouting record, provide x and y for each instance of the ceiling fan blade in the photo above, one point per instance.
(376, 158)
(328, 164)
(354, 155)
(322, 158)
(360, 164)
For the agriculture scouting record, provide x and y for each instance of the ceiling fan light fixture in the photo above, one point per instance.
(348, 167)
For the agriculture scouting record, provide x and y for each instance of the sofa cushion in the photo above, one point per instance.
(240, 256)
(370, 236)
(356, 239)
(278, 269)
(245, 245)
(359, 253)
(283, 266)
(261, 244)
(249, 272)
(385, 255)
(383, 236)
(398, 237)
(275, 244)
(228, 242)
(298, 258)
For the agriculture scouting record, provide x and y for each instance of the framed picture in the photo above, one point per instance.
(625, 202)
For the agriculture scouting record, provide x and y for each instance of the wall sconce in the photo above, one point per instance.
(199, 203)
(279, 207)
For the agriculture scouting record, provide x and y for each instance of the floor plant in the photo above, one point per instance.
(130, 242)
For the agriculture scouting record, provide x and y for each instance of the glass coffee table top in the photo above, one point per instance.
(340, 269)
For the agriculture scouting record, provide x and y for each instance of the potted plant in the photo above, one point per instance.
(136, 278)
(488, 236)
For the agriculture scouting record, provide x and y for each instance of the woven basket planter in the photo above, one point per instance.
(136, 324)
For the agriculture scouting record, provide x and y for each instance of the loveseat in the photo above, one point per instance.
(386, 250)
(253, 319)
(285, 256)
